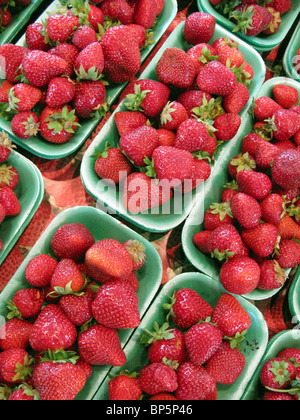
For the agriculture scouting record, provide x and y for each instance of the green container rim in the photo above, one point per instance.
(294, 298)
(290, 53)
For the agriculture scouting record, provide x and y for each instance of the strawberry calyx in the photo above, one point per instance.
(158, 334)
(243, 18)
(222, 255)
(265, 130)
(23, 370)
(97, 154)
(149, 39)
(6, 174)
(29, 391)
(68, 290)
(169, 306)
(65, 120)
(275, 23)
(280, 370)
(124, 373)
(243, 162)
(5, 392)
(166, 116)
(227, 7)
(6, 142)
(137, 251)
(14, 311)
(235, 342)
(31, 127)
(233, 185)
(133, 100)
(150, 171)
(173, 364)
(12, 101)
(92, 74)
(207, 56)
(60, 356)
(209, 110)
(222, 209)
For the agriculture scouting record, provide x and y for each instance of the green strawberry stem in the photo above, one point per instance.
(60, 356)
(158, 333)
(134, 100)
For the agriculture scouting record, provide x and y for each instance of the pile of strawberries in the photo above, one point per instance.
(172, 127)
(8, 9)
(254, 17)
(187, 361)
(9, 180)
(255, 230)
(67, 320)
(57, 80)
(280, 376)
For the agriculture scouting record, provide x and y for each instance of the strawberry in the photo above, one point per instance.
(192, 135)
(265, 154)
(246, 210)
(275, 22)
(285, 124)
(127, 121)
(164, 342)
(194, 383)
(200, 239)
(139, 144)
(252, 19)
(142, 193)
(119, 10)
(176, 68)
(291, 353)
(84, 36)
(108, 260)
(24, 393)
(40, 270)
(72, 240)
(9, 201)
(240, 275)
(95, 16)
(58, 381)
(145, 13)
(225, 242)
(288, 228)
(6, 146)
(4, 89)
(272, 208)
(230, 317)
(286, 169)
(63, 333)
(60, 91)
(217, 79)
(201, 171)
(78, 309)
(5, 18)
(277, 396)
(89, 63)
(277, 373)
(237, 100)
(173, 114)
(39, 67)
(187, 308)
(99, 345)
(137, 251)
(23, 97)
(201, 54)
(116, 306)
(288, 254)
(282, 6)
(143, 35)
(156, 378)
(256, 184)
(9, 177)
(25, 124)
(240, 163)
(193, 99)
(67, 278)
(202, 341)
(61, 27)
(226, 365)
(265, 107)
(14, 334)
(121, 52)
(15, 365)
(199, 28)
(272, 276)
(35, 37)
(58, 125)
(227, 49)
(262, 239)
(89, 98)
(250, 142)
(124, 387)
(218, 214)
(69, 53)
(227, 126)
(163, 396)
(26, 303)
(112, 165)
(11, 59)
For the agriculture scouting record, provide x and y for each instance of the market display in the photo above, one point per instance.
(178, 306)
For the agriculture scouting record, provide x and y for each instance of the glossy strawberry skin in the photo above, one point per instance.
(194, 383)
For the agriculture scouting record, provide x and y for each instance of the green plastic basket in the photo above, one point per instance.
(212, 194)
(294, 298)
(102, 226)
(260, 42)
(40, 147)
(110, 198)
(290, 54)
(253, 347)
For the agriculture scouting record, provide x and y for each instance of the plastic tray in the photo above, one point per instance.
(277, 344)
(253, 347)
(102, 226)
(106, 196)
(30, 192)
(261, 42)
(294, 298)
(212, 194)
(290, 53)
(19, 20)
(42, 148)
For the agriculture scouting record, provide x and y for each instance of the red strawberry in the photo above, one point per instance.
(119, 10)
(226, 365)
(200, 239)
(26, 303)
(124, 388)
(84, 36)
(173, 114)
(137, 251)
(15, 365)
(9, 201)
(275, 22)
(69, 53)
(139, 144)
(142, 193)
(193, 136)
(187, 308)
(228, 49)
(265, 107)
(112, 165)
(240, 163)
(116, 306)
(277, 396)
(286, 124)
(25, 124)
(58, 381)
(127, 121)
(60, 91)
(225, 242)
(108, 260)
(250, 142)
(286, 96)
(89, 64)
(283, 6)
(6, 146)
(36, 38)
(163, 396)
(286, 169)
(40, 270)
(89, 98)
(217, 79)
(63, 334)
(240, 275)
(193, 99)
(145, 13)
(157, 377)
(277, 373)
(202, 341)
(230, 316)
(175, 68)
(100, 345)
(246, 210)
(78, 309)
(256, 184)
(272, 276)
(199, 28)
(194, 383)
(218, 214)
(272, 209)
(14, 334)
(72, 240)
(252, 19)
(288, 254)
(23, 97)
(4, 90)
(288, 228)
(237, 100)
(58, 125)
(11, 59)
(67, 278)
(61, 27)
(265, 154)
(227, 126)
(9, 177)
(201, 54)
(24, 393)
(201, 171)
(262, 239)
